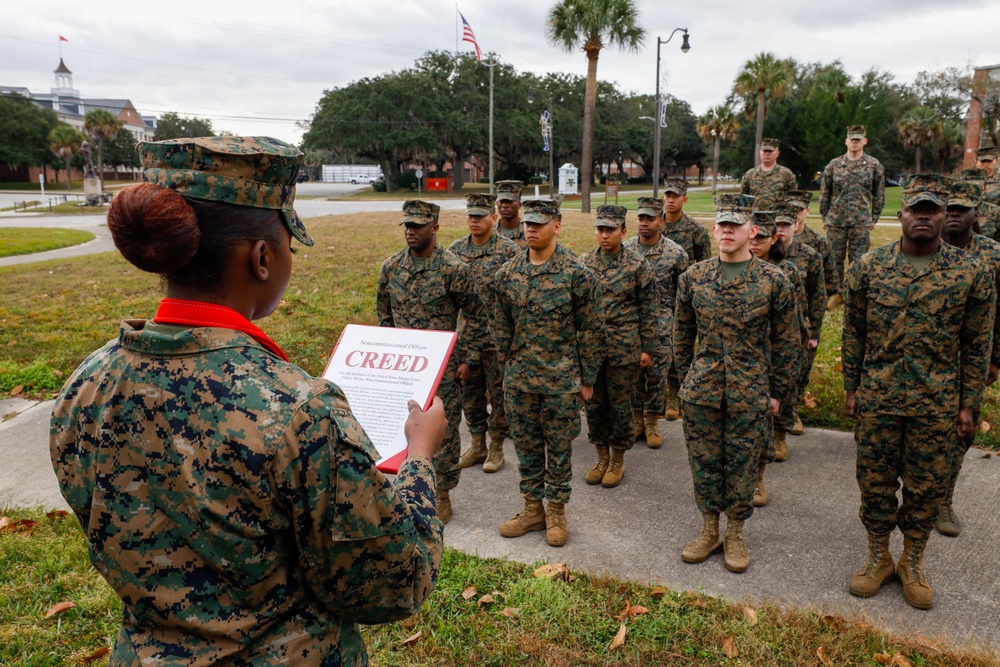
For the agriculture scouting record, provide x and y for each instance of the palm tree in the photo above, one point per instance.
(65, 140)
(590, 25)
(951, 143)
(919, 127)
(101, 124)
(718, 124)
(764, 75)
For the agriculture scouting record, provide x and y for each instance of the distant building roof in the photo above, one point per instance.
(62, 69)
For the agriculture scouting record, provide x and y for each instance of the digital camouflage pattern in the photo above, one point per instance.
(548, 324)
(610, 215)
(420, 212)
(857, 131)
(485, 387)
(479, 203)
(989, 220)
(810, 265)
(785, 419)
(630, 300)
(232, 502)
(539, 210)
(917, 344)
(926, 187)
(821, 244)
(737, 209)
(690, 236)
(768, 188)
(852, 192)
(508, 190)
(247, 171)
(543, 427)
(678, 186)
(515, 235)
(669, 261)
(846, 243)
(430, 295)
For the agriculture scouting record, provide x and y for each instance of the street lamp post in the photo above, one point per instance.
(685, 47)
(552, 146)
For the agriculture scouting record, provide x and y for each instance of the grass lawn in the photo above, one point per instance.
(69, 208)
(60, 186)
(571, 619)
(24, 240)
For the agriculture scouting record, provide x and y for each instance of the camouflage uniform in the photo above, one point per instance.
(798, 201)
(487, 380)
(916, 350)
(685, 232)
(734, 346)
(768, 188)
(630, 299)
(429, 295)
(510, 191)
(851, 200)
(548, 333)
(810, 266)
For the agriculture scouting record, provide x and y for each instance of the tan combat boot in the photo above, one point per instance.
(596, 474)
(760, 491)
(673, 411)
(475, 454)
(532, 517)
(737, 556)
(910, 570)
(653, 439)
(556, 531)
(707, 543)
(640, 425)
(780, 448)
(834, 301)
(947, 521)
(798, 428)
(877, 571)
(494, 459)
(616, 469)
(443, 505)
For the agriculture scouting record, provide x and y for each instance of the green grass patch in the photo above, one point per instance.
(25, 240)
(568, 620)
(69, 207)
(58, 186)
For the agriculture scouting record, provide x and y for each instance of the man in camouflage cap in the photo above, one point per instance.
(509, 206)
(733, 306)
(484, 251)
(669, 260)
(986, 159)
(918, 315)
(960, 223)
(852, 195)
(770, 182)
(630, 300)
(549, 340)
(426, 286)
(799, 201)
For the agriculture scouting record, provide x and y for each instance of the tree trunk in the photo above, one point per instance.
(918, 159)
(69, 183)
(100, 161)
(389, 174)
(760, 128)
(715, 166)
(458, 170)
(589, 105)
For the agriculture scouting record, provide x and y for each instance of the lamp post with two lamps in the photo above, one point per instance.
(685, 47)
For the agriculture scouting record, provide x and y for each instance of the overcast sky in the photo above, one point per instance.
(257, 68)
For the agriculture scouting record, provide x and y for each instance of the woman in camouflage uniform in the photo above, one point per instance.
(230, 499)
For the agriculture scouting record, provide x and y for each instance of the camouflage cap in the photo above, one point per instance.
(856, 131)
(733, 208)
(972, 175)
(540, 211)
(786, 214)
(479, 204)
(420, 212)
(247, 171)
(798, 199)
(770, 144)
(926, 187)
(765, 222)
(651, 206)
(965, 193)
(678, 186)
(610, 215)
(508, 190)
(987, 153)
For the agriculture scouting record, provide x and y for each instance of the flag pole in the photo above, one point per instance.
(456, 28)
(492, 62)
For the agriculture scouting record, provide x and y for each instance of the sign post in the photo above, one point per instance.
(420, 180)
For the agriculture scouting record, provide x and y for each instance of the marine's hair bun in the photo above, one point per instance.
(154, 228)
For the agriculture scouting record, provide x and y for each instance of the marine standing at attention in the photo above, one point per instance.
(509, 207)
(769, 183)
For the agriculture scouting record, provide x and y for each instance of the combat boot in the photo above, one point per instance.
(910, 570)
(798, 428)
(494, 459)
(737, 556)
(475, 454)
(616, 469)
(443, 505)
(834, 301)
(760, 491)
(532, 517)
(556, 531)
(707, 543)
(653, 439)
(596, 474)
(673, 411)
(877, 571)
(640, 426)
(947, 521)
(780, 448)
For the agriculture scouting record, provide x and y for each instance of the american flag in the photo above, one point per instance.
(469, 36)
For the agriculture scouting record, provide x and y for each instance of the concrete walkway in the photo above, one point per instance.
(804, 546)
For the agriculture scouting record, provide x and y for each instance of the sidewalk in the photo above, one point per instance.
(804, 546)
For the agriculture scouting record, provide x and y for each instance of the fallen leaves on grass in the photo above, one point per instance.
(895, 660)
(4, 522)
(696, 599)
(59, 608)
(56, 514)
(823, 657)
(927, 643)
(511, 612)
(729, 647)
(984, 426)
(412, 639)
(632, 610)
(469, 593)
(619, 637)
(552, 570)
(659, 591)
(485, 600)
(17, 390)
(26, 525)
(96, 655)
(750, 615)
(810, 401)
